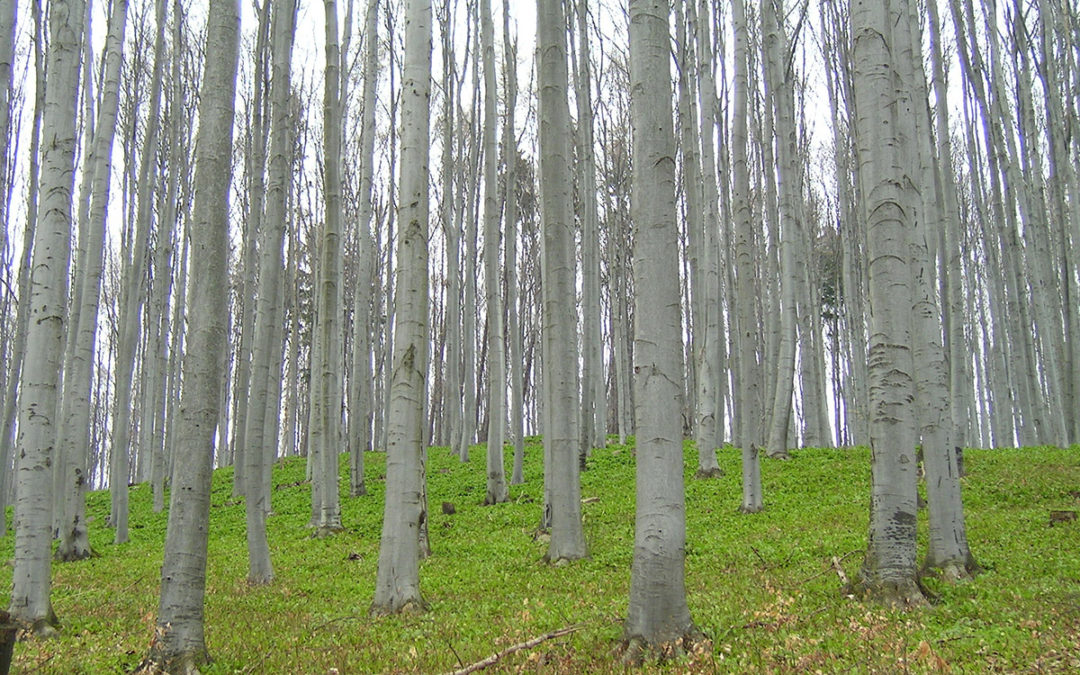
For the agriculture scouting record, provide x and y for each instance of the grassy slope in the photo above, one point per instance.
(762, 586)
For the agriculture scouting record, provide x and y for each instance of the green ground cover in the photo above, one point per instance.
(762, 587)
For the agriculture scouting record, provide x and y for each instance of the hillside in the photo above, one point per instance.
(762, 587)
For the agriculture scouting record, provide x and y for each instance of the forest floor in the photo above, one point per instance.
(763, 588)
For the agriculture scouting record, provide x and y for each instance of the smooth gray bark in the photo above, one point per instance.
(748, 407)
(255, 159)
(74, 437)
(397, 583)
(180, 644)
(948, 550)
(882, 97)
(497, 490)
(39, 382)
(10, 336)
(468, 304)
(700, 362)
(361, 400)
(710, 350)
(658, 613)
(451, 232)
(261, 446)
(780, 87)
(130, 316)
(562, 410)
(593, 395)
(326, 352)
(514, 308)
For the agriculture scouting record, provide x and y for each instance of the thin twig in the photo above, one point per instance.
(528, 644)
(764, 564)
(456, 655)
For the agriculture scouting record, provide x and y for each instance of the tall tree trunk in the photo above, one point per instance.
(130, 313)
(397, 583)
(452, 233)
(497, 491)
(180, 645)
(260, 446)
(699, 399)
(882, 97)
(39, 380)
(748, 398)
(361, 400)
(8, 374)
(469, 308)
(513, 307)
(326, 353)
(953, 299)
(74, 436)
(593, 403)
(562, 410)
(256, 170)
(948, 549)
(780, 83)
(709, 372)
(658, 613)
(22, 313)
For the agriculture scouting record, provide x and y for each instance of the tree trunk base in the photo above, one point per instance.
(778, 454)
(185, 663)
(709, 472)
(561, 560)
(751, 508)
(75, 553)
(633, 651)
(951, 571)
(894, 594)
(413, 606)
(324, 531)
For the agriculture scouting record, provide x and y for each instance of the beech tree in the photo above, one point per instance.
(561, 407)
(326, 352)
(511, 211)
(397, 585)
(180, 642)
(74, 432)
(658, 613)
(31, 579)
(361, 393)
(882, 97)
(497, 491)
(710, 349)
(8, 334)
(748, 427)
(260, 439)
(593, 394)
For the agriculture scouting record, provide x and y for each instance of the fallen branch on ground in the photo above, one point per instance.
(528, 644)
(840, 571)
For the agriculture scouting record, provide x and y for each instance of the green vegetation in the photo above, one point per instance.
(763, 587)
